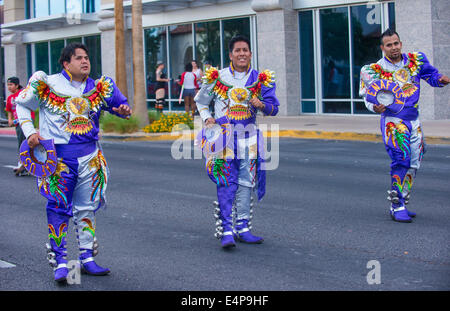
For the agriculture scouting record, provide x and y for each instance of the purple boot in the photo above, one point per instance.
(243, 234)
(56, 249)
(58, 261)
(88, 264)
(224, 223)
(400, 214)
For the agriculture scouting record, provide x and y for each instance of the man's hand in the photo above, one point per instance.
(255, 102)
(444, 80)
(34, 139)
(123, 110)
(210, 121)
(379, 108)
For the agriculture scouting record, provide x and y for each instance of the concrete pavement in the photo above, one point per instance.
(335, 127)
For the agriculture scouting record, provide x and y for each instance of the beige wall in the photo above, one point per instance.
(14, 10)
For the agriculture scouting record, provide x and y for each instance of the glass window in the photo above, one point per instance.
(231, 28)
(74, 6)
(27, 9)
(93, 43)
(366, 32)
(91, 6)
(391, 9)
(336, 107)
(76, 39)
(180, 54)
(307, 55)
(41, 50)
(360, 108)
(207, 43)
(57, 7)
(41, 8)
(29, 60)
(308, 106)
(155, 51)
(55, 52)
(335, 53)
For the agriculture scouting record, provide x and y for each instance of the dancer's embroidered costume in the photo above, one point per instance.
(401, 129)
(235, 161)
(69, 115)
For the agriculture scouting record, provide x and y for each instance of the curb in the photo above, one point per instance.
(300, 134)
(349, 136)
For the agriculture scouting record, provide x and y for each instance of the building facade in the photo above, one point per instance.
(316, 47)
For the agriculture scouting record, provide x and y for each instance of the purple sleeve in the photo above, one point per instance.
(270, 100)
(115, 100)
(429, 73)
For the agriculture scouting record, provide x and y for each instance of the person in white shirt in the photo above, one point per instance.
(188, 84)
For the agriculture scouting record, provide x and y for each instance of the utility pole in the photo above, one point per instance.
(140, 103)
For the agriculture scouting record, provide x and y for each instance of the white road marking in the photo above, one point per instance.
(4, 264)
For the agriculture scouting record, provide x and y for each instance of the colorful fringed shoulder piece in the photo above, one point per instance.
(219, 88)
(265, 78)
(103, 89)
(53, 101)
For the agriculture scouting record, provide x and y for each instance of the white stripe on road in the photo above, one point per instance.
(4, 264)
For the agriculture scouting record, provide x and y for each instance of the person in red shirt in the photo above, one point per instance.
(14, 88)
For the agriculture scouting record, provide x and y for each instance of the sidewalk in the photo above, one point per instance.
(335, 127)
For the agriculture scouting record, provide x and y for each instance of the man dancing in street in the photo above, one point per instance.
(69, 105)
(400, 127)
(235, 161)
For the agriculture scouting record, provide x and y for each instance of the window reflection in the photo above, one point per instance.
(180, 54)
(179, 51)
(335, 53)
(155, 52)
(47, 55)
(207, 43)
(57, 7)
(41, 8)
(307, 55)
(41, 50)
(93, 43)
(366, 31)
(55, 52)
(231, 28)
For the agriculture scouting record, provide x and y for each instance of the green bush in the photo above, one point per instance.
(110, 123)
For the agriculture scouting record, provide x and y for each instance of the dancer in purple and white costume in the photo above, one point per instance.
(401, 130)
(238, 92)
(69, 105)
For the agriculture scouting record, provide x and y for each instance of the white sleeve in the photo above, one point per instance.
(25, 120)
(202, 99)
(365, 80)
(28, 96)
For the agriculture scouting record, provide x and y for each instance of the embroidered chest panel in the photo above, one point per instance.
(236, 95)
(76, 111)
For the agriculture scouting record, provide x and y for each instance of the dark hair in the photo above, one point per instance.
(69, 51)
(238, 38)
(188, 67)
(14, 80)
(388, 33)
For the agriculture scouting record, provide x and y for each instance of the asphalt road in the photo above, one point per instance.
(324, 217)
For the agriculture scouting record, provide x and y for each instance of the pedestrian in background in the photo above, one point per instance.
(14, 87)
(161, 81)
(188, 84)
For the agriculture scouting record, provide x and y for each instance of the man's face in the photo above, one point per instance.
(392, 47)
(79, 66)
(241, 56)
(12, 87)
